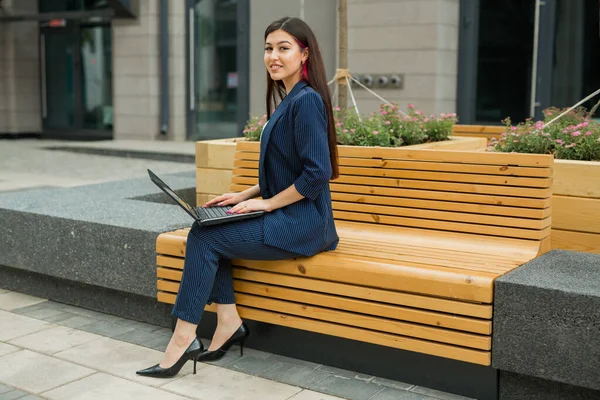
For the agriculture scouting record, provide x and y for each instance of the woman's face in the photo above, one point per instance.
(284, 57)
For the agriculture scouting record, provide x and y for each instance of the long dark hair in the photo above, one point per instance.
(313, 73)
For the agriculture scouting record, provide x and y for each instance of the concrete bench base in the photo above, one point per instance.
(547, 327)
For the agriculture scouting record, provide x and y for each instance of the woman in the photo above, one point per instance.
(298, 157)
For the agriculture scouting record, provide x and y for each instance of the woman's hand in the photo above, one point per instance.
(251, 205)
(226, 199)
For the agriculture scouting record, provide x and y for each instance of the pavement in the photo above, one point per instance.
(50, 350)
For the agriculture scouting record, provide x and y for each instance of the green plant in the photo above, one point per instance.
(572, 137)
(386, 128)
(254, 127)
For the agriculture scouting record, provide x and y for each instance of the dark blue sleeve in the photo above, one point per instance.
(310, 136)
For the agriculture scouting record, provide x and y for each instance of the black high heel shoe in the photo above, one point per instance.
(238, 336)
(192, 353)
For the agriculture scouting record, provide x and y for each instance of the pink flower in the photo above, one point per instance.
(411, 106)
(586, 123)
(384, 113)
(375, 132)
(337, 109)
(345, 130)
(539, 125)
(513, 128)
(338, 124)
(352, 130)
(570, 145)
(588, 133)
(418, 112)
(559, 141)
(576, 133)
(387, 122)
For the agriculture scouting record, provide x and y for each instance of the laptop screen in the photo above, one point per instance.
(171, 193)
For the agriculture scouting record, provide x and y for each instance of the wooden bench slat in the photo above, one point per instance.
(453, 307)
(442, 205)
(443, 282)
(441, 322)
(481, 357)
(252, 295)
(503, 170)
(438, 215)
(452, 156)
(444, 225)
(480, 179)
(384, 193)
(427, 185)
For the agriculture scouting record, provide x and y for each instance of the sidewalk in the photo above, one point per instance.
(55, 351)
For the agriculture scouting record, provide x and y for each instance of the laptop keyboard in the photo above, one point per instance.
(212, 212)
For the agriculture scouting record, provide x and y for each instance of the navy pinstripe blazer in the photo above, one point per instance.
(294, 150)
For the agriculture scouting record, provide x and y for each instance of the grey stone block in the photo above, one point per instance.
(547, 319)
(251, 365)
(397, 394)
(348, 388)
(4, 388)
(106, 329)
(522, 387)
(294, 361)
(292, 374)
(392, 384)
(97, 235)
(344, 373)
(137, 336)
(13, 395)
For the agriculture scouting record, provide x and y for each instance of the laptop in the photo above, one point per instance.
(203, 215)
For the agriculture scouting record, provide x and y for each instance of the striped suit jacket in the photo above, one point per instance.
(294, 150)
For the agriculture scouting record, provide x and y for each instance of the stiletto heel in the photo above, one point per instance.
(238, 336)
(192, 353)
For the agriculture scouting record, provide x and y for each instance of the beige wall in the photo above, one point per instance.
(136, 73)
(416, 38)
(321, 15)
(20, 100)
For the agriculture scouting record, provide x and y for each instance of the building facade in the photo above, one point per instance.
(193, 69)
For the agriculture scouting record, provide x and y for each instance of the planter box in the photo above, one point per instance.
(485, 131)
(576, 206)
(214, 161)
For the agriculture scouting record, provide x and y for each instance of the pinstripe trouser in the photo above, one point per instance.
(207, 275)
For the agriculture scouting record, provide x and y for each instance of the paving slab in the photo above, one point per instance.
(102, 386)
(7, 349)
(348, 388)
(14, 326)
(225, 384)
(120, 359)
(310, 395)
(292, 374)
(36, 373)
(12, 300)
(54, 340)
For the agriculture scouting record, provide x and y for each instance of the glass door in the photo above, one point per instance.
(217, 68)
(496, 54)
(518, 57)
(76, 80)
(60, 97)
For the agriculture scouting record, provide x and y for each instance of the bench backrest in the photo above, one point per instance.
(498, 194)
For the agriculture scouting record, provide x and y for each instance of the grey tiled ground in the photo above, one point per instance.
(10, 393)
(332, 381)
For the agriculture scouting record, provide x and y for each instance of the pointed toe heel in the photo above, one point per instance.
(238, 336)
(192, 353)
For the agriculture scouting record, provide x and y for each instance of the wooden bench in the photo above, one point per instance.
(423, 236)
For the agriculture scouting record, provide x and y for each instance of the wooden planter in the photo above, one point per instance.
(214, 161)
(576, 206)
(485, 131)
